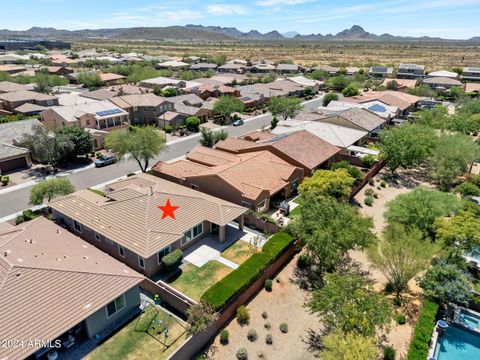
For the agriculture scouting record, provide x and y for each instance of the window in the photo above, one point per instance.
(141, 262)
(97, 236)
(246, 204)
(135, 108)
(261, 206)
(198, 230)
(162, 253)
(121, 250)
(77, 226)
(115, 306)
(294, 185)
(192, 233)
(194, 186)
(49, 102)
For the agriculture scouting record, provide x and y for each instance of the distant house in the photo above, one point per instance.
(12, 69)
(332, 70)
(471, 74)
(109, 79)
(127, 222)
(12, 100)
(56, 287)
(377, 107)
(472, 88)
(203, 67)
(443, 73)
(262, 68)
(99, 94)
(207, 91)
(163, 82)
(253, 180)
(58, 70)
(380, 72)
(402, 84)
(192, 105)
(173, 65)
(404, 102)
(7, 86)
(350, 71)
(442, 82)
(290, 69)
(232, 68)
(410, 71)
(315, 85)
(143, 108)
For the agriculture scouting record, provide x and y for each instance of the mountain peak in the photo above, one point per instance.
(357, 28)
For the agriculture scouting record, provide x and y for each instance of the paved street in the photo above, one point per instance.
(15, 201)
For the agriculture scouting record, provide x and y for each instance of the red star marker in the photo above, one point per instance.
(168, 210)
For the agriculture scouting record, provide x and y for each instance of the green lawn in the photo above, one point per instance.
(194, 281)
(295, 212)
(141, 339)
(239, 252)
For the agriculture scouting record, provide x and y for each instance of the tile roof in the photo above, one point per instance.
(8, 151)
(50, 280)
(401, 83)
(14, 131)
(110, 76)
(100, 94)
(363, 118)
(131, 218)
(29, 108)
(203, 66)
(472, 87)
(389, 97)
(443, 73)
(7, 86)
(442, 81)
(144, 100)
(74, 112)
(10, 67)
(24, 95)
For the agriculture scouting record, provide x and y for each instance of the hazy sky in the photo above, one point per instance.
(454, 19)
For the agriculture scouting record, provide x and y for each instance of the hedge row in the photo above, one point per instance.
(423, 332)
(234, 283)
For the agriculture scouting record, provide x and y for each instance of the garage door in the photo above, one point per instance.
(13, 164)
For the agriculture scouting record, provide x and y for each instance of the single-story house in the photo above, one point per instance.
(442, 82)
(252, 180)
(173, 65)
(290, 68)
(203, 66)
(232, 68)
(99, 94)
(379, 108)
(163, 82)
(12, 69)
(207, 91)
(109, 79)
(315, 85)
(332, 70)
(56, 289)
(443, 73)
(352, 70)
(129, 224)
(7, 86)
(13, 158)
(402, 84)
(472, 87)
(58, 70)
(262, 68)
(356, 118)
(380, 72)
(192, 105)
(405, 102)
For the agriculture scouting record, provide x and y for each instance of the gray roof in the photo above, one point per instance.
(9, 151)
(380, 69)
(411, 67)
(13, 132)
(203, 66)
(288, 67)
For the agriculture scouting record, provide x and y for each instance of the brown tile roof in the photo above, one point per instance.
(472, 87)
(143, 100)
(258, 136)
(401, 83)
(210, 157)
(100, 94)
(389, 97)
(132, 218)
(7, 86)
(24, 95)
(110, 76)
(50, 280)
(234, 145)
(442, 81)
(9, 68)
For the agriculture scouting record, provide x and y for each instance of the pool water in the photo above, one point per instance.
(457, 344)
(472, 321)
(475, 253)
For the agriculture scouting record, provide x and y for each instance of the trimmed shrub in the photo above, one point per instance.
(235, 282)
(389, 353)
(242, 354)
(268, 285)
(383, 184)
(168, 129)
(371, 182)
(468, 189)
(401, 320)
(252, 335)
(264, 315)
(423, 331)
(130, 174)
(269, 339)
(368, 201)
(368, 161)
(283, 327)
(172, 260)
(5, 180)
(193, 123)
(224, 334)
(369, 192)
(267, 325)
(99, 155)
(243, 315)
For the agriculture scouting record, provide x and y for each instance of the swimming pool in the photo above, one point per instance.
(457, 344)
(469, 319)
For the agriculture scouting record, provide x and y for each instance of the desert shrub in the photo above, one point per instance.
(99, 155)
(242, 354)
(397, 302)
(375, 195)
(369, 192)
(172, 260)
(423, 331)
(264, 315)
(383, 184)
(252, 335)
(269, 339)
(268, 284)
(224, 337)
(267, 325)
(304, 261)
(468, 189)
(168, 129)
(283, 327)
(369, 200)
(400, 318)
(371, 182)
(243, 315)
(5, 180)
(389, 353)
(368, 160)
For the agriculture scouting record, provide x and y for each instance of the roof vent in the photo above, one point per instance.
(5, 253)
(85, 257)
(17, 274)
(58, 231)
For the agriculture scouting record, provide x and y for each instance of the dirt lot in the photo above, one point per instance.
(283, 304)
(435, 56)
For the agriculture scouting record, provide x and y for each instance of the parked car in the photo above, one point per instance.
(238, 122)
(106, 160)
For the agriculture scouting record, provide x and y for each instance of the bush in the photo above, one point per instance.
(172, 260)
(423, 331)
(5, 180)
(235, 282)
(283, 327)
(252, 335)
(474, 179)
(267, 325)
(264, 315)
(20, 219)
(99, 155)
(389, 353)
(371, 182)
(401, 320)
(304, 261)
(268, 285)
(369, 192)
(193, 123)
(368, 161)
(224, 337)
(468, 189)
(397, 302)
(242, 354)
(369, 200)
(269, 339)
(383, 184)
(243, 315)
(130, 174)
(168, 129)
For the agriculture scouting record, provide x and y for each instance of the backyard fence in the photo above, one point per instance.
(367, 176)
(261, 225)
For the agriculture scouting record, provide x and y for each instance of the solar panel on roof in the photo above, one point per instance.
(109, 112)
(379, 69)
(377, 108)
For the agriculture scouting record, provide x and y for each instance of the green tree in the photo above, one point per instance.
(42, 84)
(285, 107)
(141, 143)
(392, 85)
(348, 303)
(169, 92)
(350, 90)
(436, 118)
(225, 106)
(445, 283)
(328, 229)
(461, 231)
(407, 146)
(81, 139)
(207, 137)
(453, 155)
(50, 189)
(89, 79)
(340, 346)
(331, 96)
(421, 90)
(200, 316)
(419, 208)
(338, 83)
(46, 146)
(400, 255)
(456, 92)
(221, 134)
(336, 183)
(319, 75)
(193, 123)
(273, 123)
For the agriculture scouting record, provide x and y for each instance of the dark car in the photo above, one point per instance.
(106, 160)
(238, 122)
